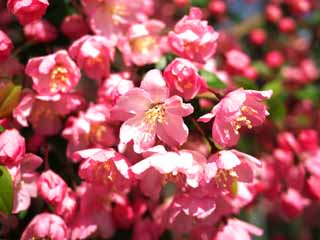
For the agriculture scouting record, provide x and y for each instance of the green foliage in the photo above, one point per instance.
(212, 79)
(6, 191)
(199, 3)
(245, 83)
(310, 92)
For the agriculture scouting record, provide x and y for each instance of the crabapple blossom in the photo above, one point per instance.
(152, 113)
(193, 38)
(183, 79)
(40, 31)
(53, 74)
(93, 54)
(46, 225)
(143, 43)
(27, 11)
(239, 108)
(6, 46)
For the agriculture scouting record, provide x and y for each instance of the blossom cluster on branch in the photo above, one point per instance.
(140, 120)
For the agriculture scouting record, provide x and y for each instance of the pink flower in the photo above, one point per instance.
(232, 167)
(74, 26)
(53, 74)
(68, 206)
(24, 179)
(90, 129)
(184, 169)
(149, 111)
(113, 18)
(183, 79)
(237, 61)
(45, 116)
(142, 45)
(113, 87)
(6, 46)
(192, 38)
(308, 139)
(12, 147)
(27, 11)
(40, 31)
(293, 203)
(146, 230)
(237, 109)
(94, 217)
(93, 55)
(46, 226)
(237, 230)
(105, 167)
(51, 187)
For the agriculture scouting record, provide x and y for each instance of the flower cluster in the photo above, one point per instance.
(139, 120)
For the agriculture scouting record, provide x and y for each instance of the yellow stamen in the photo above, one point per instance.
(59, 78)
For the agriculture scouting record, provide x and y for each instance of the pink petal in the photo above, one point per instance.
(155, 85)
(174, 105)
(175, 128)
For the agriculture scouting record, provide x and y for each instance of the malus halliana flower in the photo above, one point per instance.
(27, 11)
(237, 109)
(51, 187)
(90, 129)
(74, 26)
(53, 74)
(93, 55)
(113, 87)
(235, 229)
(113, 18)
(46, 226)
(40, 31)
(12, 147)
(6, 46)
(183, 79)
(149, 111)
(193, 38)
(143, 43)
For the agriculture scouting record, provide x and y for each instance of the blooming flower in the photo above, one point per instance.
(105, 167)
(192, 38)
(183, 79)
(113, 18)
(93, 55)
(53, 74)
(142, 44)
(6, 46)
(12, 147)
(149, 111)
(46, 226)
(40, 31)
(45, 116)
(237, 109)
(27, 11)
(90, 129)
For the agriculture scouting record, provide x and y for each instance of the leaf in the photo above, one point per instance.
(310, 92)
(6, 191)
(212, 79)
(199, 3)
(245, 83)
(261, 67)
(162, 63)
(1, 128)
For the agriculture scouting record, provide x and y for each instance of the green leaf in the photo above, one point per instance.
(275, 86)
(245, 83)
(6, 191)
(310, 92)
(199, 3)
(1, 128)
(212, 79)
(261, 67)
(277, 110)
(162, 63)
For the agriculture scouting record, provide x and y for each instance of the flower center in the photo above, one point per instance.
(154, 115)
(223, 177)
(242, 120)
(104, 172)
(143, 44)
(59, 78)
(98, 131)
(117, 11)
